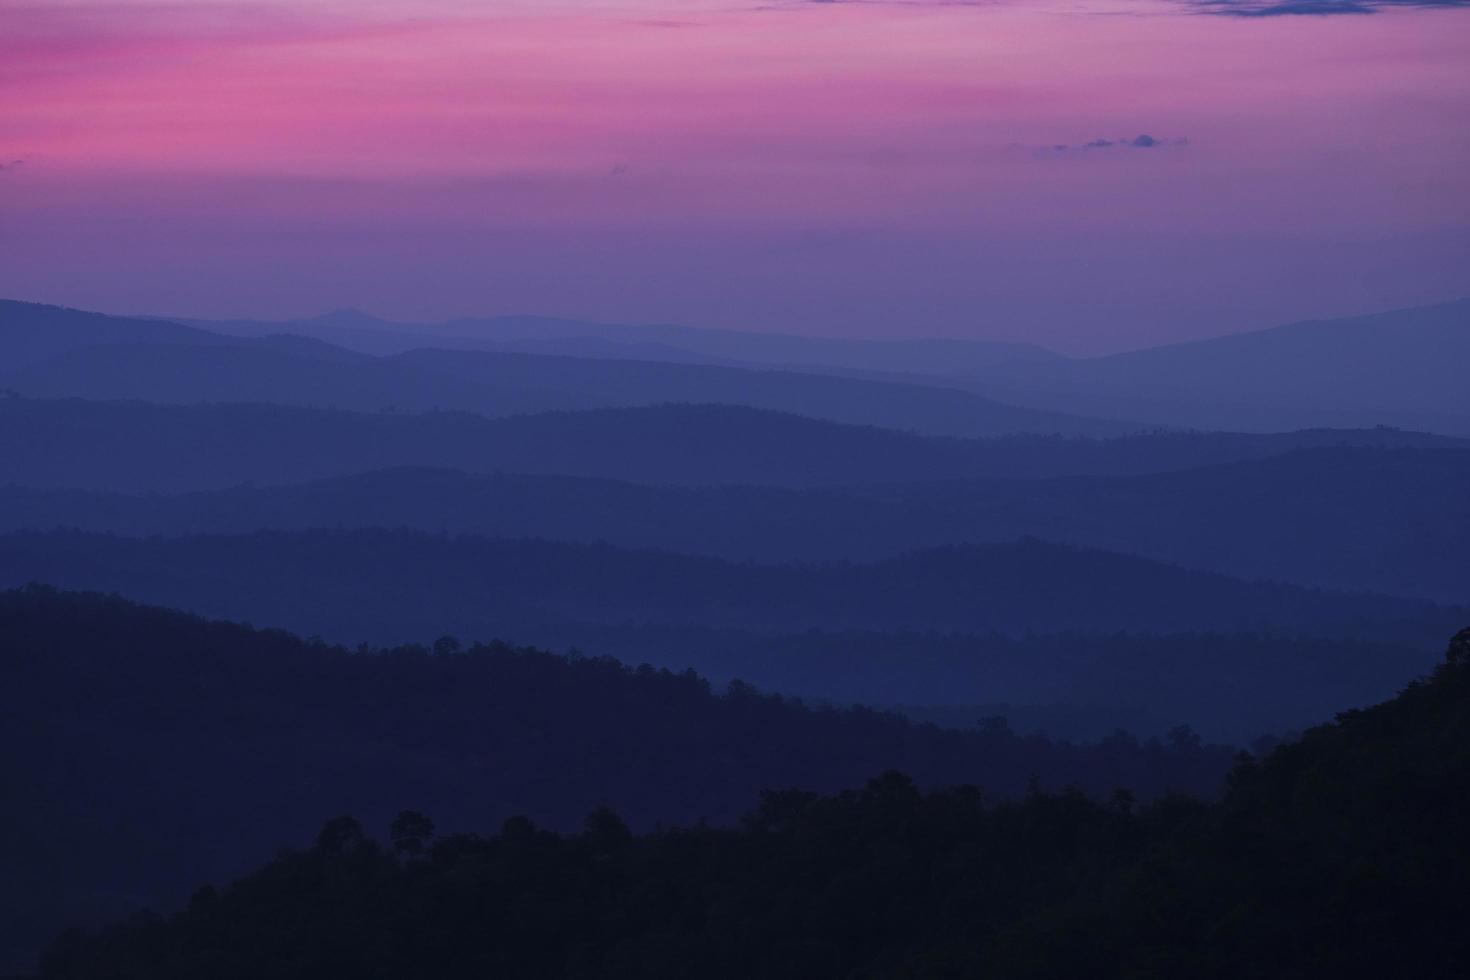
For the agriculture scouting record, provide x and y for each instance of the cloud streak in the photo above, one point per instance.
(1143, 141)
(1312, 8)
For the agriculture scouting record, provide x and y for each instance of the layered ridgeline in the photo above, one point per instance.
(139, 446)
(1400, 367)
(1395, 521)
(1026, 622)
(67, 353)
(1343, 854)
(144, 750)
(363, 332)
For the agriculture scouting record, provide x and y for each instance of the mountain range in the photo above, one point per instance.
(62, 353)
(1397, 368)
(953, 625)
(1395, 521)
(136, 446)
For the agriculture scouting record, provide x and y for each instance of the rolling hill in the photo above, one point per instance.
(1387, 520)
(1023, 623)
(1339, 854)
(156, 361)
(145, 750)
(1400, 368)
(141, 447)
(654, 342)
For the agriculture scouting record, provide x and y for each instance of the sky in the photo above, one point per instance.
(1091, 175)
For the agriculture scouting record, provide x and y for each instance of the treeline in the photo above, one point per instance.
(143, 749)
(1342, 855)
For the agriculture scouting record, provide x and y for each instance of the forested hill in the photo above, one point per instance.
(1343, 855)
(145, 750)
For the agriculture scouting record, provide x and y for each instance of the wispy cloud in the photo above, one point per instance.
(11, 165)
(1224, 8)
(1143, 141)
(1318, 8)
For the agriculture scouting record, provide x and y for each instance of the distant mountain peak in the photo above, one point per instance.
(348, 316)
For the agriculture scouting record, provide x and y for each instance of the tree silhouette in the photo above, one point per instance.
(410, 832)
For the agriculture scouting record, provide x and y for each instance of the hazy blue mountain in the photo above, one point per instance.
(285, 371)
(363, 333)
(1394, 368)
(139, 446)
(1394, 521)
(591, 383)
(32, 333)
(149, 360)
(380, 585)
(1026, 622)
(1402, 368)
(143, 446)
(936, 356)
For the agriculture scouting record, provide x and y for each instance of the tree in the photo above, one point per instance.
(1458, 653)
(338, 835)
(410, 832)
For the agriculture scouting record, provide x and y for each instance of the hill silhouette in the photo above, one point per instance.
(1027, 622)
(1392, 368)
(1341, 854)
(1395, 368)
(193, 749)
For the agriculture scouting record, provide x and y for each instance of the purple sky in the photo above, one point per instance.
(875, 168)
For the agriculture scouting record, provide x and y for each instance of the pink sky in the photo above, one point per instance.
(826, 168)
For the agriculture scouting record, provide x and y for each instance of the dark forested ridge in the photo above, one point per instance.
(1342, 854)
(149, 749)
(1387, 520)
(1235, 658)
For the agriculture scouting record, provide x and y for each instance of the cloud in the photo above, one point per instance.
(1143, 141)
(884, 3)
(1319, 8)
(1223, 8)
(11, 165)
